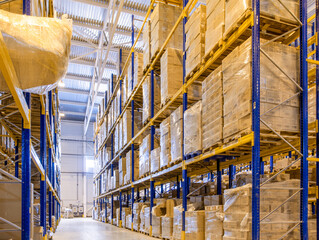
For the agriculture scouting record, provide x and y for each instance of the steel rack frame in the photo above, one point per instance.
(31, 141)
(224, 156)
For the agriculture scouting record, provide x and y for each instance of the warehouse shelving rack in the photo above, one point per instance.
(225, 156)
(39, 117)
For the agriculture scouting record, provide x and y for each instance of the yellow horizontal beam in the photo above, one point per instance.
(312, 159)
(311, 18)
(313, 61)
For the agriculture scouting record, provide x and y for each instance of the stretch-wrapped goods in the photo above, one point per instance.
(163, 18)
(214, 217)
(195, 225)
(212, 112)
(275, 88)
(147, 97)
(165, 143)
(39, 49)
(155, 159)
(234, 10)
(193, 128)
(138, 72)
(176, 134)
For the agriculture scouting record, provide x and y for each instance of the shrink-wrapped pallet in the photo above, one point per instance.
(156, 226)
(128, 221)
(312, 105)
(165, 143)
(193, 129)
(138, 72)
(195, 38)
(155, 159)
(172, 77)
(127, 126)
(176, 134)
(167, 227)
(125, 212)
(147, 97)
(136, 215)
(122, 164)
(275, 88)
(235, 9)
(39, 49)
(237, 210)
(212, 109)
(163, 18)
(129, 164)
(115, 179)
(144, 219)
(14, 7)
(146, 44)
(195, 225)
(144, 156)
(177, 228)
(215, 15)
(214, 217)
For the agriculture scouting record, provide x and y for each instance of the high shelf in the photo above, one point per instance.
(31, 154)
(251, 150)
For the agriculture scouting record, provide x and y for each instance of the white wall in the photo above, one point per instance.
(76, 180)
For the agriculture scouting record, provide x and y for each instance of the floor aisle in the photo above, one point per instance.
(88, 229)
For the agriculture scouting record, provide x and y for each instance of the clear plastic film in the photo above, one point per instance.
(167, 227)
(137, 207)
(312, 104)
(165, 142)
(39, 49)
(163, 18)
(144, 156)
(176, 134)
(275, 88)
(212, 112)
(129, 164)
(128, 222)
(195, 225)
(193, 128)
(138, 72)
(235, 9)
(155, 159)
(214, 217)
(177, 228)
(195, 38)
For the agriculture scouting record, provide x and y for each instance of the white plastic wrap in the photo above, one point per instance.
(144, 156)
(129, 164)
(214, 217)
(167, 227)
(195, 225)
(155, 159)
(236, 8)
(147, 97)
(176, 134)
(193, 129)
(138, 72)
(39, 49)
(165, 143)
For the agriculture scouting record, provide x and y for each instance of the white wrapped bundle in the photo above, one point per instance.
(39, 49)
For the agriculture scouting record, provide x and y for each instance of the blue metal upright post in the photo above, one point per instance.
(304, 121)
(120, 200)
(26, 7)
(231, 175)
(271, 163)
(43, 158)
(184, 169)
(132, 126)
(317, 117)
(256, 120)
(26, 176)
(105, 207)
(219, 178)
(16, 159)
(152, 189)
(50, 197)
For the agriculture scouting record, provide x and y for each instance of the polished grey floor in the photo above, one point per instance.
(88, 229)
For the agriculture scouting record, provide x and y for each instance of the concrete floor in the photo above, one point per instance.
(88, 229)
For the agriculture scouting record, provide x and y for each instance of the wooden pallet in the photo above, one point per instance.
(211, 148)
(193, 154)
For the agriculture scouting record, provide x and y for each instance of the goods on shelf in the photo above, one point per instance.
(33, 40)
(128, 175)
(165, 143)
(275, 89)
(215, 15)
(138, 72)
(146, 44)
(312, 105)
(214, 217)
(145, 155)
(115, 179)
(193, 129)
(125, 212)
(13, 6)
(127, 126)
(237, 210)
(163, 18)
(155, 159)
(122, 170)
(147, 97)
(128, 221)
(212, 200)
(195, 38)
(177, 227)
(235, 10)
(167, 227)
(144, 219)
(212, 109)
(195, 225)
(137, 207)
(176, 134)
(171, 73)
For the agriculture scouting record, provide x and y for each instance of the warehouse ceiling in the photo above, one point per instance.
(93, 38)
